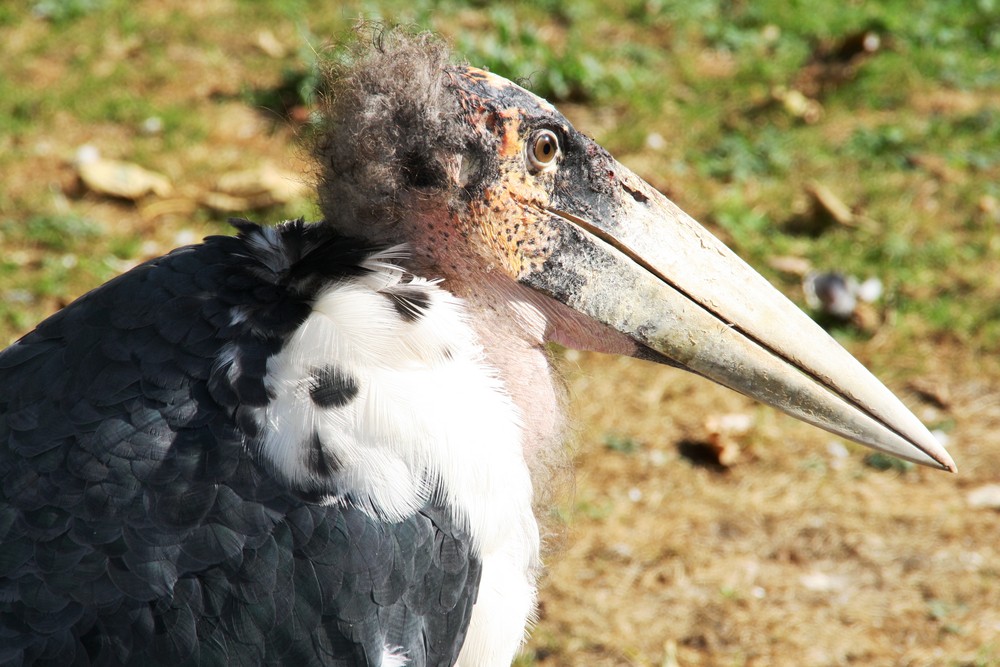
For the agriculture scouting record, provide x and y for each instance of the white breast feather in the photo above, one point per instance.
(429, 412)
(430, 416)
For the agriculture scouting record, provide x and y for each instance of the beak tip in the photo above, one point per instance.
(946, 465)
(941, 456)
(937, 457)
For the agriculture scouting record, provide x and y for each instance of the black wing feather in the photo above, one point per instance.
(136, 526)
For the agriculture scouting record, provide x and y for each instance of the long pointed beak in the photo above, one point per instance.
(625, 255)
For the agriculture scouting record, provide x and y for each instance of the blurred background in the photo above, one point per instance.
(850, 151)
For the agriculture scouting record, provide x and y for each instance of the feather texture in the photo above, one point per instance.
(159, 503)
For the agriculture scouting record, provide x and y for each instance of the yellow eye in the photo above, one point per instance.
(544, 149)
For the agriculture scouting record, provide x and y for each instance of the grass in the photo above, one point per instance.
(683, 92)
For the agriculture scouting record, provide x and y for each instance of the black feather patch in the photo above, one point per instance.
(138, 524)
(332, 388)
(409, 303)
(321, 462)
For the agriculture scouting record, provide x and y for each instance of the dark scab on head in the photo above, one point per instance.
(422, 172)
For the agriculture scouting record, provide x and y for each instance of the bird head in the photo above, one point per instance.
(478, 175)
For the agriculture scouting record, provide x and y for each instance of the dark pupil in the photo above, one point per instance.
(545, 145)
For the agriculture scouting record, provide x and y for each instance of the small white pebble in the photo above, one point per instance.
(152, 125)
(870, 290)
(984, 497)
(634, 494)
(655, 141)
(821, 582)
(657, 458)
(770, 33)
(150, 247)
(69, 261)
(622, 550)
(758, 592)
(838, 454)
(86, 154)
(837, 450)
(186, 237)
(972, 560)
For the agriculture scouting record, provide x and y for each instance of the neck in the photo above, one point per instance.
(511, 326)
(511, 329)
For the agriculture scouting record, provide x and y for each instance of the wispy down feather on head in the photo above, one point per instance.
(387, 127)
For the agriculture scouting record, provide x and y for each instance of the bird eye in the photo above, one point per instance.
(544, 149)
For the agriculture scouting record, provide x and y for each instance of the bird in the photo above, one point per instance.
(323, 443)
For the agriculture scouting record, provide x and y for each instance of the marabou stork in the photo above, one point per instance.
(314, 443)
